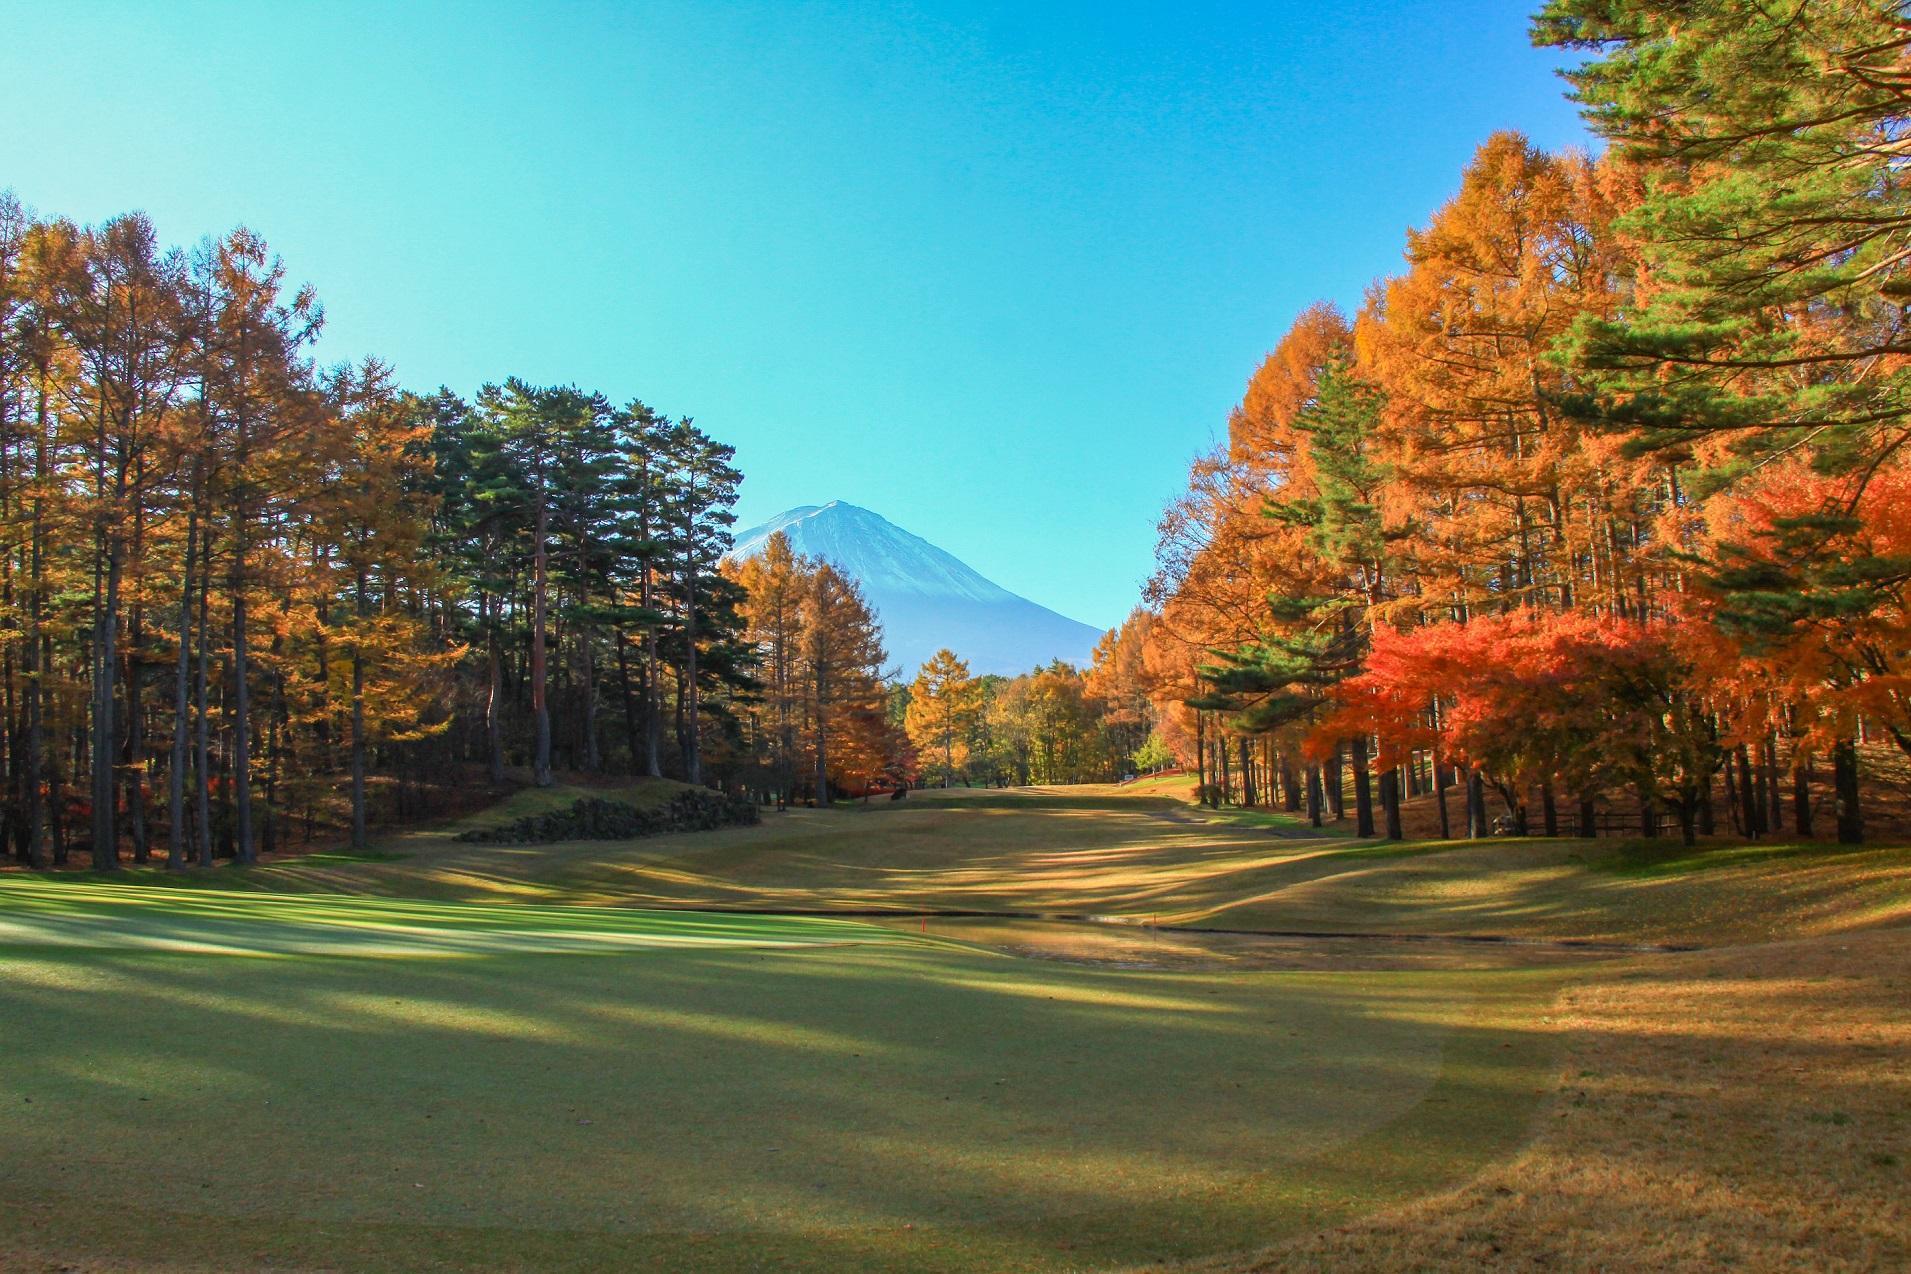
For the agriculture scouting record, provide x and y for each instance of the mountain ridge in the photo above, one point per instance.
(925, 596)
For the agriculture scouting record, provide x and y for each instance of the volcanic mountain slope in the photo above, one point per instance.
(927, 598)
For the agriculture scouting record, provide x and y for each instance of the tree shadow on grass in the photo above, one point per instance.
(903, 1110)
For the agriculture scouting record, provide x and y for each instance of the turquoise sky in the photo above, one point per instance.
(996, 271)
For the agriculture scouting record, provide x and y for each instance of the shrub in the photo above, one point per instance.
(693, 809)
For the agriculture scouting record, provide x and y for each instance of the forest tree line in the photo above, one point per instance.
(243, 594)
(1603, 503)
(1054, 724)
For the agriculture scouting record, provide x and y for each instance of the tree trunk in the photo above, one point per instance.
(653, 762)
(822, 741)
(35, 743)
(55, 787)
(182, 694)
(494, 693)
(693, 737)
(1688, 806)
(1336, 786)
(358, 713)
(1548, 810)
(629, 696)
(105, 729)
(1801, 792)
(135, 757)
(202, 715)
(245, 848)
(38, 662)
(1733, 809)
(593, 750)
(1390, 800)
(1851, 822)
(1775, 801)
(1200, 759)
(540, 708)
(1748, 794)
(1476, 826)
(1313, 795)
(1363, 787)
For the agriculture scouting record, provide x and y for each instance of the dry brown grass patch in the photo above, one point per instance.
(1748, 1109)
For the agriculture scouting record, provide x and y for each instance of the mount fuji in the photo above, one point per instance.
(925, 597)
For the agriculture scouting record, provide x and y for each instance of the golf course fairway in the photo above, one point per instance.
(435, 1059)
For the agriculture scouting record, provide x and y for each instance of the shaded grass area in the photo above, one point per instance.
(1583, 889)
(891, 1108)
(1084, 796)
(1280, 821)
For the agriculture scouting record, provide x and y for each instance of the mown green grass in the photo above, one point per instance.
(1640, 857)
(886, 1107)
(1098, 851)
(114, 916)
(593, 1083)
(1274, 820)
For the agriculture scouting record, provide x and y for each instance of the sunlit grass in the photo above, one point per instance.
(38, 912)
(902, 1107)
(1107, 850)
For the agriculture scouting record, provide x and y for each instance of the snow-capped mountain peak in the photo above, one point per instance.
(926, 597)
(875, 551)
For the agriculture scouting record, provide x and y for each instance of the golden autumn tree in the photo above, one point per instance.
(247, 584)
(943, 703)
(1117, 679)
(1513, 503)
(841, 667)
(375, 531)
(774, 584)
(1219, 559)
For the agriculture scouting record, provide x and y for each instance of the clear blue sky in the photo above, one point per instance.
(995, 270)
